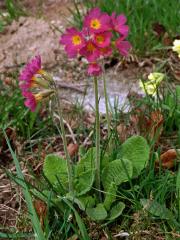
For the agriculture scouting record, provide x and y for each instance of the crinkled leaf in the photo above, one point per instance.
(116, 210)
(104, 161)
(116, 172)
(83, 182)
(55, 169)
(85, 173)
(83, 202)
(98, 213)
(136, 150)
(110, 196)
(87, 162)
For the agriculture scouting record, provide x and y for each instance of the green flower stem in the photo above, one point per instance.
(97, 163)
(68, 159)
(107, 105)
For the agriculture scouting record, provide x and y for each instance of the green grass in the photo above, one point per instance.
(15, 115)
(141, 15)
(32, 212)
(13, 10)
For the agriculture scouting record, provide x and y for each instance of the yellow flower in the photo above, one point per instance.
(176, 47)
(154, 79)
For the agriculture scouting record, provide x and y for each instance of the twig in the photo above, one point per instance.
(69, 128)
(88, 138)
(72, 87)
(4, 208)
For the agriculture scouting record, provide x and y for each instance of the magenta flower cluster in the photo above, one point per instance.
(27, 80)
(33, 83)
(97, 39)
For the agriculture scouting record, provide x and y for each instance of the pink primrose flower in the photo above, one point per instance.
(94, 69)
(102, 40)
(90, 51)
(96, 21)
(118, 24)
(123, 46)
(27, 77)
(106, 52)
(30, 101)
(73, 41)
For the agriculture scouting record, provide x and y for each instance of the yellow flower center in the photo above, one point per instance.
(38, 97)
(41, 72)
(95, 23)
(39, 79)
(103, 50)
(35, 80)
(76, 40)
(100, 39)
(90, 47)
(43, 94)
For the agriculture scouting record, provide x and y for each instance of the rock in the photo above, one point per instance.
(26, 38)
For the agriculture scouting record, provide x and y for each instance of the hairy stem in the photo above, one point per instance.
(107, 105)
(68, 159)
(98, 180)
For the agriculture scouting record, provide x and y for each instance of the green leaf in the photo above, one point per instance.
(87, 162)
(116, 172)
(55, 169)
(116, 210)
(83, 182)
(98, 213)
(85, 173)
(136, 150)
(83, 202)
(104, 161)
(156, 209)
(110, 196)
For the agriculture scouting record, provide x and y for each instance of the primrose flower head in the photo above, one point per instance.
(106, 52)
(96, 40)
(96, 21)
(33, 99)
(73, 41)
(176, 47)
(102, 40)
(30, 101)
(28, 76)
(33, 77)
(154, 79)
(118, 24)
(94, 69)
(90, 51)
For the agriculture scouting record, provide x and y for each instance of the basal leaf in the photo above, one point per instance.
(110, 196)
(83, 182)
(55, 169)
(116, 210)
(136, 150)
(83, 202)
(85, 173)
(98, 213)
(116, 172)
